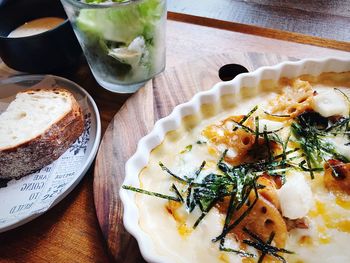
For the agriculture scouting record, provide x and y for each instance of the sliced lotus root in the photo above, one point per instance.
(294, 100)
(242, 143)
(262, 220)
(269, 191)
(337, 176)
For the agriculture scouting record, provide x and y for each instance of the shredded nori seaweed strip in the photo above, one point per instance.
(246, 117)
(241, 253)
(267, 143)
(310, 130)
(164, 168)
(277, 115)
(177, 192)
(142, 191)
(265, 247)
(240, 218)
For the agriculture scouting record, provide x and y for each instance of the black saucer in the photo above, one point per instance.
(49, 52)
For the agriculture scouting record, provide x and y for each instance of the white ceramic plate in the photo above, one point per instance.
(25, 199)
(246, 80)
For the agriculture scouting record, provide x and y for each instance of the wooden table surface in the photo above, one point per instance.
(69, 232)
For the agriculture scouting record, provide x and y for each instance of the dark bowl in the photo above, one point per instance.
(52, 51)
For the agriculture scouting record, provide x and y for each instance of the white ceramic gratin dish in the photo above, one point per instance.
(140, 159)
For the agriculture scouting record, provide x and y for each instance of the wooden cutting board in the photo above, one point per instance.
(135, 119)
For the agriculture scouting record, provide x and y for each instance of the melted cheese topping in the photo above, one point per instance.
(295, 197)
(340, 142)
(327, 214)
(269, 125)
(330, 102)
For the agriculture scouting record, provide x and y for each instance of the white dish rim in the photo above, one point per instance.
(140, 158)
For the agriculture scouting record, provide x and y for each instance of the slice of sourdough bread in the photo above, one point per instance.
(37, 128)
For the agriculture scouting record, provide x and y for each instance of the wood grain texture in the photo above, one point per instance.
(69, 232)
(136, 119)
(318, 18)
(259, 31)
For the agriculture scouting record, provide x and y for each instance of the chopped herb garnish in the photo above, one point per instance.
(308, 169)
(345, 96)
(190, 200)
(205, 212)
(177, 192)
(241, 253)
(267, 143)
(240, 218)
(164, 168)
(268, 242)
(249, 130)
(241, 126)
(277, 115)
(257, 124)
(188, 148)
(246, 117)
(142, 191)
(265, 247)
(338, 127)
(310, 130)
(200, 142)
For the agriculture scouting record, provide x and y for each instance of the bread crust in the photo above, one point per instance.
(38, 152)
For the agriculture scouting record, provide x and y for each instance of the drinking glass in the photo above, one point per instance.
(123, 41)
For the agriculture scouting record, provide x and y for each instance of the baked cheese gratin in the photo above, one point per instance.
(262, 177)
